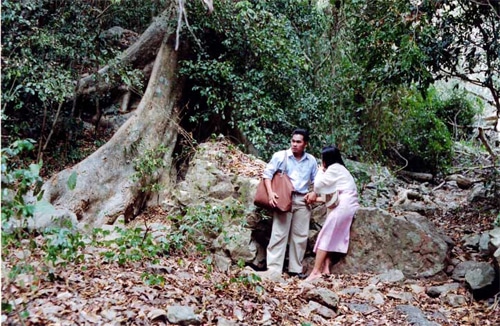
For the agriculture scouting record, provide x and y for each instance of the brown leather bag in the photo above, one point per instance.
(281, 185)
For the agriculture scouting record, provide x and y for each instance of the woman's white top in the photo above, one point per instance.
(336, 177)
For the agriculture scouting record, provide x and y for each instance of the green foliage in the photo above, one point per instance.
(18, 182)
(361, 176)
(375, 58)
(43, 43)
(426, 141)
(120, 72)
(202, 223)
(35, 55)
(252, 70)
(148, 168)
(463, 42)
(208, 261)
(72, 181)
(247, 280)
(458, 112)
(130, 245)
(384, 43)
(250, 282)
(379, 57)
(131, 14)
(341, 123)
(153, 279)
(63, 245)
(46, 47)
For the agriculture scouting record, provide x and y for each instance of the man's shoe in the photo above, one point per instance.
(298, 275)
(269, 274)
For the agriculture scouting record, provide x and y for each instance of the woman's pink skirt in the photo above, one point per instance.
(335, 233)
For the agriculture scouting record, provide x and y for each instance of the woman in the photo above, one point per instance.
(334, 235)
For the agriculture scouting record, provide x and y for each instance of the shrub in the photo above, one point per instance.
(426, 141)
(17, 182)
(458, 112)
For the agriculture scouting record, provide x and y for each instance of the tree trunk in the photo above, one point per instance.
(138, 55)
(106, 187)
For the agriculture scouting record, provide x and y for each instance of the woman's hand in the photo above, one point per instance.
(310, 197)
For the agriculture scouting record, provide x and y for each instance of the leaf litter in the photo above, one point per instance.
(98, 292)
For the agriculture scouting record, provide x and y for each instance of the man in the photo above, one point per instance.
(292, 227)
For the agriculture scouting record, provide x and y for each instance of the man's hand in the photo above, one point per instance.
(310, 197)
(273, 199)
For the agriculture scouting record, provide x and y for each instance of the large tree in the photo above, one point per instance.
(113, 181)
(251, 87)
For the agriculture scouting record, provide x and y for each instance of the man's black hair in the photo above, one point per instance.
(302, 132)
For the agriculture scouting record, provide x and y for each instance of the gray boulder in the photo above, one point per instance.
(381, 242)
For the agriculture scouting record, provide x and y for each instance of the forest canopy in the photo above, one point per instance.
(355, 73)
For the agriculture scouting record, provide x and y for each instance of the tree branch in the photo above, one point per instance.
(138, 54)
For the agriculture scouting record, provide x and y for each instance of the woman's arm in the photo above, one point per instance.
(325, 182)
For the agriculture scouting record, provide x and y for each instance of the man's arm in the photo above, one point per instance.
(312, 196)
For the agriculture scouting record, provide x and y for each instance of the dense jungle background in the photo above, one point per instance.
(104, 104)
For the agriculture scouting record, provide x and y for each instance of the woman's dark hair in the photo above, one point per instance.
(331, 155)
(302, 132)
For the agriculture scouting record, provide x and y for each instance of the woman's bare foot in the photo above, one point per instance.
(314, 275)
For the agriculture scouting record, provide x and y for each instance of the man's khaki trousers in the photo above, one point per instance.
(289, 228)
